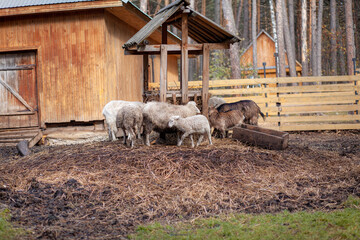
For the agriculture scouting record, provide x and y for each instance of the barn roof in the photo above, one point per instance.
(28, 3)
(200, 28)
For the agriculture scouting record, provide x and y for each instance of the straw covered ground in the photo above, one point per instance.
(104, 190)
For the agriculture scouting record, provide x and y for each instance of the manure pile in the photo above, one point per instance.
(104, 190)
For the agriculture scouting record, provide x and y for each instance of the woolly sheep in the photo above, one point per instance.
(224, 121)
(249, 109)
(197, 124)
(215, 102)
(157, 115)
(130, 119)
(110, 112)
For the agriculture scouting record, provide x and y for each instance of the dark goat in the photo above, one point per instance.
(249, 108)
(223, 121)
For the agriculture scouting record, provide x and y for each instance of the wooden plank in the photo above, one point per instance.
(262, 137)
(311, 127)
(163, 73)
(35, 139)
(184, 58)
(17, 113)
(205, 80)
(325, 118)
(311, 109)
(21, 67)
(259, 81)
(146, 72)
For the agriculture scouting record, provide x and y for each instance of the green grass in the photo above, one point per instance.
(340, 224)
(7, 231)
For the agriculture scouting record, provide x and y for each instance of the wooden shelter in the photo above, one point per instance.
(265, 54)
(206, 34)
(61, 61)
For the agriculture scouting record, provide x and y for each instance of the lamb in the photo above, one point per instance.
(249, 109)
(224, 121)
(130, 119)
(197, 124)
(215, 102)
(110, 112)
(157, 115)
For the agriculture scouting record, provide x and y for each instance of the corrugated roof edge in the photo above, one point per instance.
(28, 4)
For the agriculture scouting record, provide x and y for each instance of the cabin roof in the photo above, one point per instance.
(200, 28)
(28, 3)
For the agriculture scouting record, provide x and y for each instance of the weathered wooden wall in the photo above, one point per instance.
(70, 61)
(80, 61)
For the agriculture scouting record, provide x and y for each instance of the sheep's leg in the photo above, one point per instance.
(131, 137)
(124, 135)
(182, 138)
(192, 140)
(200, 140)
(209, 137)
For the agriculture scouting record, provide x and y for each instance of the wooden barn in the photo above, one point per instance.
(61, 61)
(265, 54)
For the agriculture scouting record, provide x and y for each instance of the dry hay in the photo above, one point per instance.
(103, 190)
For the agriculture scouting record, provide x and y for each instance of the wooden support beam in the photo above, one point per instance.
(163, 73)
(184, 58)
(146, 71)
(205, 79)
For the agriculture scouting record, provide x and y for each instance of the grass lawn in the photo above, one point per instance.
(7, 231)
(340, 224)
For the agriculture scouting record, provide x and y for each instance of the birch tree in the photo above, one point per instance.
(333, 57)
(292, 25)
(234, 48)
(313, 36)
(319, 39)
(289, 45)
(304, 54)
(253, 33)
(143, 5)
(350, 43)
(280, 32)
(273, 21)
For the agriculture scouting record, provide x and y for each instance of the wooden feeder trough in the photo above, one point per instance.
(262, 137)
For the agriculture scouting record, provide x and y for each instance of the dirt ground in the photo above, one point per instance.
(104, 190)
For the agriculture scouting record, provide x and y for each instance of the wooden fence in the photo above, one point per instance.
(293, 104)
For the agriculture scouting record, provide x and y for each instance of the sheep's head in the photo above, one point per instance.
(173, 120)
(193, 104)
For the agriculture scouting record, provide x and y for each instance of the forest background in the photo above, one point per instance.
(322, 35)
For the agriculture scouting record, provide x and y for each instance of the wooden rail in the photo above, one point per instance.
(293, 104)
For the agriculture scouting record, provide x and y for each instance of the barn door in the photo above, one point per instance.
(18, 95)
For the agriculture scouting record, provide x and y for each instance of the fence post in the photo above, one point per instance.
(264, 64)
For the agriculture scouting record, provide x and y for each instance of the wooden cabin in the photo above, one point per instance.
(60, 63)
(265, 54)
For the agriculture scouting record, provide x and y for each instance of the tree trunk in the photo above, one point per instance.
(253, 33)
(318, 39)
(333, 57)
(143, 5)
(289, 46)
(304, 55)
(234, 48)
(273, 21)
(350, 43)
(313, 37)
(238, 15)
(203, 7)
(292, 25)
(342, 65)
(280, 32)
(217, 11)
(246, 24)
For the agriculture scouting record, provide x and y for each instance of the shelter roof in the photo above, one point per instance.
(200, 28)
(28, 3)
